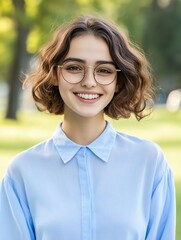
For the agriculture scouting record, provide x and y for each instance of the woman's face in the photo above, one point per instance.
(86, 98)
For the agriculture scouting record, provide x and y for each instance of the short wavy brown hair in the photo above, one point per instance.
(134, 81)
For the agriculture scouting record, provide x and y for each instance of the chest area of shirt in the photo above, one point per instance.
(90, 200)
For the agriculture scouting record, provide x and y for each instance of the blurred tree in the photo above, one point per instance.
(7, 37)
(131, 14)
(36, 16)
(20, 56)
(162, 41)
(32, 24)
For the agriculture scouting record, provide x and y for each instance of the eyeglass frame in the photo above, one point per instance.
(116, 70)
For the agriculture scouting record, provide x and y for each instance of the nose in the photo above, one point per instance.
(89, 80)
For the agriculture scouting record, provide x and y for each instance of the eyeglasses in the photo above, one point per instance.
(75, 72)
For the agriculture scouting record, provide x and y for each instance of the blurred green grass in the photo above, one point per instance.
(161, 127)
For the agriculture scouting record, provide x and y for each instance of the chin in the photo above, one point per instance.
(89, 114)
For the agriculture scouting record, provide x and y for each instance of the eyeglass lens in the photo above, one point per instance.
(74, 72)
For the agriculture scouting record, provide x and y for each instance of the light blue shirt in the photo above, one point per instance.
(119, 187)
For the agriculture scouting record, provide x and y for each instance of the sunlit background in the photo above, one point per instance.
(154, 25)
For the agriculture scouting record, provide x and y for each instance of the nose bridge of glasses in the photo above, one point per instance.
(89, 70)
(89, 75)
(87, 67)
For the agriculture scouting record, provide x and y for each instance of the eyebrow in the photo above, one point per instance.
(84, 61)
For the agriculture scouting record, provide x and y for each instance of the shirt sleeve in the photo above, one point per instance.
(15, 219)
(162, 213)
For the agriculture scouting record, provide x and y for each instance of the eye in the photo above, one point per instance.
(105, 70)
(73, 68)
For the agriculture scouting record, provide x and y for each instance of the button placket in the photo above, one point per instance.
(86, 203)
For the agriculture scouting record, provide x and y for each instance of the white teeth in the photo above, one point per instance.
(88, 96)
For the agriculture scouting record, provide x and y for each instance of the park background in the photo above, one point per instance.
(25, 25)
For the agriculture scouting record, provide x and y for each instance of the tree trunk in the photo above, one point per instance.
(19, 64)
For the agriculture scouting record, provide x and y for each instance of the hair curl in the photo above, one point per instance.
(134, 82)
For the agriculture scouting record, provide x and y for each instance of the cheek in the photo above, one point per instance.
(65, 92)
(62, 91)
(62, 85)
(114, 89)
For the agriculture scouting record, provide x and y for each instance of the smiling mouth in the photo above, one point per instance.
(88, 96)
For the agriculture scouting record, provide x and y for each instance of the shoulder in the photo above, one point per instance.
(138, 143)
(28, 160)
(144, 152)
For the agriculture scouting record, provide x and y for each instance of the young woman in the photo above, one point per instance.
(88, 181)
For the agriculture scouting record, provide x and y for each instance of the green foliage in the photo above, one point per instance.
(40, 17)
(155, 28)
(131, 14)
(7, 37)
(162, 37)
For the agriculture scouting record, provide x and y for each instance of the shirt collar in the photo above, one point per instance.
(101, 146)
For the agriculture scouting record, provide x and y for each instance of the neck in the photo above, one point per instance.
(83, 130)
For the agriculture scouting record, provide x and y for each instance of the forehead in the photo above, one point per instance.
(89, 48)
